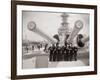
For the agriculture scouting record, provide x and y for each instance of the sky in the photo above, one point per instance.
(49, 22)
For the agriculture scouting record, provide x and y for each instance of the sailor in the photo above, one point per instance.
(51, 53)
(27, 49)
(59, 54)
(66, 53)
(69, 52)
(32, 47)
(38, 46)
(63, 50)
(45, 47)
(49, 50)
(75, 53)
(54, 53)
(72, 54)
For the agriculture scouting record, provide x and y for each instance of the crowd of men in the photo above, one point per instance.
(33, 47)
(64, 53)
(59, 53)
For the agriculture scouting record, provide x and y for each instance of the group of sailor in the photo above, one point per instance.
(63, 53)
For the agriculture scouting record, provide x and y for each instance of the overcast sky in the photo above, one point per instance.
(49, 22)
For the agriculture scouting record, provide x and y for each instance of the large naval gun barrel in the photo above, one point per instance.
(32, 27)
(77, 27)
